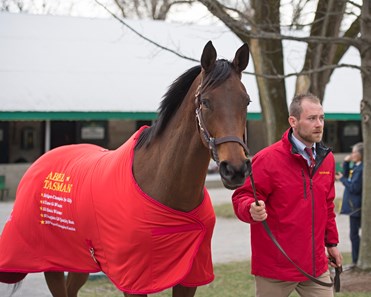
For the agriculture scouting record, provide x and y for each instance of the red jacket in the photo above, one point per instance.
(300, 210)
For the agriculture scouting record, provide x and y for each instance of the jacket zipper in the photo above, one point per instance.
(313, 217)
(305, 183)
(313, 223)
(311, 174)
(318, 163)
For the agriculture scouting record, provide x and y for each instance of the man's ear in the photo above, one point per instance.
(292, 121)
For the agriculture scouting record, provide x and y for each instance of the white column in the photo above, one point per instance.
(47, 136)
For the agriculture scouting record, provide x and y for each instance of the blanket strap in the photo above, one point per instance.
(92, 253)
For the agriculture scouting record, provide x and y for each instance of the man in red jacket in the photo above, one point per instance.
(296, 191)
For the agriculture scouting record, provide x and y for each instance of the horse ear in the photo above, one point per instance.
(241, 59)
(208, 57)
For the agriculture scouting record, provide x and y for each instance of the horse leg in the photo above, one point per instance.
(56, 283)
(134, 295)
(181, 291)
(74, 282)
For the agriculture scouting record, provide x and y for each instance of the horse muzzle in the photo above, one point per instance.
(233, 176)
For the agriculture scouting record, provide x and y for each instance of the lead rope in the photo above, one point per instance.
(273, 238)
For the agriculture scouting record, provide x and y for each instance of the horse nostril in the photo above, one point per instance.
(232, 173)
(226, 170)
(233, 177)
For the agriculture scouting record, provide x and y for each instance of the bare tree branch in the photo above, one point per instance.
(154, 9)
(144, 37)
(317, 70)
(177, 53)
(309, 39)
(355, 4)
(121, 7)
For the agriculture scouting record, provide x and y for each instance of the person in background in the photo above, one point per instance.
(294, 180)
(351, 178)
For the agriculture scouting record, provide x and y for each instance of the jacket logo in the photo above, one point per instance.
(324, 172)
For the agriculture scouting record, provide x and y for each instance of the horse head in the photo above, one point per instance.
(221, 110)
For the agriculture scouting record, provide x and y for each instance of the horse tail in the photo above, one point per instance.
(15, 288)
(12, 278)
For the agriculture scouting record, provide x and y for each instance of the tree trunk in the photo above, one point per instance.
(329, 15)
(365, 249)
(268, 59)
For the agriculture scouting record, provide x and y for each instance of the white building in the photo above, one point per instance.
(68, 79)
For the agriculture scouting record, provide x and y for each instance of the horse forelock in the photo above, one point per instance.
(177, 92)
(219, 74)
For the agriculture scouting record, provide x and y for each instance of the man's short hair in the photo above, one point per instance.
(295, 109)
(358, 147)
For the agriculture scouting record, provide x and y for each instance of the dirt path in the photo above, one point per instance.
(355, 281)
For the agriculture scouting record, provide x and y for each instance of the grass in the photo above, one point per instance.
(231, 280)
(224, 210)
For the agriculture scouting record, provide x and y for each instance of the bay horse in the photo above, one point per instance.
(140, 213)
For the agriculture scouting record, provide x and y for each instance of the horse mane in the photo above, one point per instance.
(176, 94)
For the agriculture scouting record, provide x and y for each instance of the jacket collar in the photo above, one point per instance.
(321, 150)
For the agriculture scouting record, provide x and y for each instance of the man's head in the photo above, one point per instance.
(357, 152)
(306, 118)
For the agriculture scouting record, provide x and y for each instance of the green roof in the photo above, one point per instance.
(73, 115)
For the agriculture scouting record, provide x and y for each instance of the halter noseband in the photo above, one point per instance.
(211, 141)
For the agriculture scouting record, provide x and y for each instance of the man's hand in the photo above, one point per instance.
(335, 254)
(338, 175)
(258, 213)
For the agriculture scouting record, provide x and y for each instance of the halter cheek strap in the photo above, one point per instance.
(214, 142)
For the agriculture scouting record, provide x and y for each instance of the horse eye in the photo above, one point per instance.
(248, 101)
(205, 102)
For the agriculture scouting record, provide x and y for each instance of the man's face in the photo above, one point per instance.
(356, 156)
(309, 127)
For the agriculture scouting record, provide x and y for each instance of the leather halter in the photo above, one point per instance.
(211, 141)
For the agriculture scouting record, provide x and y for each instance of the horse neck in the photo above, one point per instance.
(174, 167)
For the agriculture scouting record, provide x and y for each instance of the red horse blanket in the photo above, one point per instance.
(78, 208)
